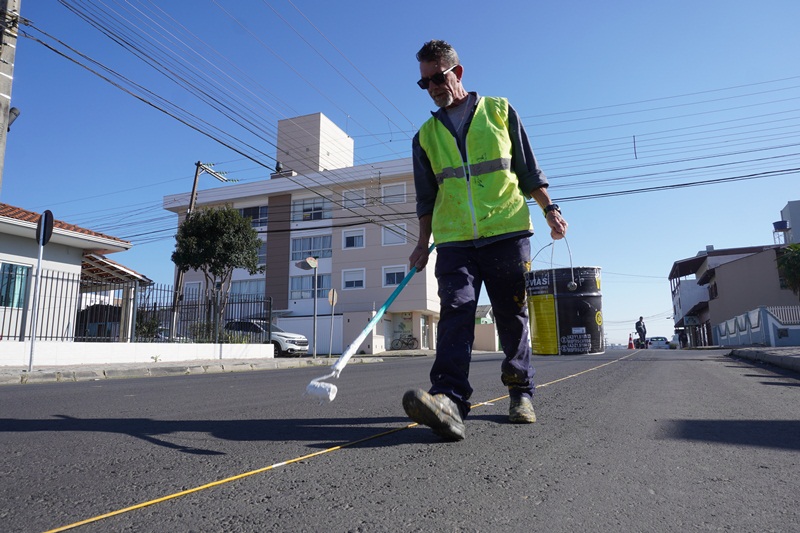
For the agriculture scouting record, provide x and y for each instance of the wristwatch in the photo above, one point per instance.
(551, 207)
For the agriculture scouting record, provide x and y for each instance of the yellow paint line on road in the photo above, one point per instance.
(296, 459)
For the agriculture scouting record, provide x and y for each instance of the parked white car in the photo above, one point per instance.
(658, 343)
(285, 343)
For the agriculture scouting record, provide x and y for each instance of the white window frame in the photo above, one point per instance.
(388, 197)
(308, 209)
(192, 288)
(250, 284)
(320, 252)
(354, 233)
(263, 215)
(17, 298)
(354, 198)
(395, 269)
(305, 293)
(394, 236)
(362, 279)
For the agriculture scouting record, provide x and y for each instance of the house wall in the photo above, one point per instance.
(61, 267)
(747, 284)
(687, 294)
(22, 251)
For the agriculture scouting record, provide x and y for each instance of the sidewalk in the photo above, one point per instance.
(16, 375)
(786, 358)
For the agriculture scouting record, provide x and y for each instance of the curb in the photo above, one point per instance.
(788, 361)
(22, 377)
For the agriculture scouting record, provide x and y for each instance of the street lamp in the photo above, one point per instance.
(310, 263)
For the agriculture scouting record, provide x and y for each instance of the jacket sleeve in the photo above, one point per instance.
(424, 179)
(523, 161)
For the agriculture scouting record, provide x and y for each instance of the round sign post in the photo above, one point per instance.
(44, 230)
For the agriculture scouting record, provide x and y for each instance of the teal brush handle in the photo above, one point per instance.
(348, 353)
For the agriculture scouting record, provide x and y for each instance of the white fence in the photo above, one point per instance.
(766, 326)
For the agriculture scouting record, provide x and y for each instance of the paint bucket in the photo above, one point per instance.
(565, 310)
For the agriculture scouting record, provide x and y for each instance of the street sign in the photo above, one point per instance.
(312, 261)
(332, 297)
(44, 229)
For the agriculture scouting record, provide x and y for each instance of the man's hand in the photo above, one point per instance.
(419, 257)
(558, 226)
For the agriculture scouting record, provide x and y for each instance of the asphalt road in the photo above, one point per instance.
(626, 441)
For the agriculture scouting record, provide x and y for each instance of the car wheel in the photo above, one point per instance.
(277, 346)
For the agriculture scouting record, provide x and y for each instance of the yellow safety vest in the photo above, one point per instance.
(480, 197)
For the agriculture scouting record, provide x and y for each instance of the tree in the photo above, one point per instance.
(216, 241)
(789, 266)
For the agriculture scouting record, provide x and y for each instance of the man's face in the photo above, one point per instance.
(442, 95)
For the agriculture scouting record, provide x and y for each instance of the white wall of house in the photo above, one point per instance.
(25, 251)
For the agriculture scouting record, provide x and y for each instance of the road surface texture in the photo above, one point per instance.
(657, 440)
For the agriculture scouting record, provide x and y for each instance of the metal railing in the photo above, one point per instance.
(73, 309)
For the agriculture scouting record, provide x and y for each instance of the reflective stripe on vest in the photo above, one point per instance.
(479, 198)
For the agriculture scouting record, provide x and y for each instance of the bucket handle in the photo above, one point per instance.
(571, 286)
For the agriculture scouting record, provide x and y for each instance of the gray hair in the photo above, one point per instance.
(438, 51)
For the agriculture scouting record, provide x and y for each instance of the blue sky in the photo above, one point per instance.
(616, 96)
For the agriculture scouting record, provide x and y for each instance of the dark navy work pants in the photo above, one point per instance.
(461, 273)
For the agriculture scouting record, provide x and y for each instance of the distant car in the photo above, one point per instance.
(285, 343)
(658, 343)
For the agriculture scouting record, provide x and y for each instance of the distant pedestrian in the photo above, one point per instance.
(641, 330)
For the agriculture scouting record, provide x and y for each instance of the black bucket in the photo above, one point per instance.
(565, 319)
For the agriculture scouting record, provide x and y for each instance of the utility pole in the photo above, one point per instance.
(9, 22)
(178, 293)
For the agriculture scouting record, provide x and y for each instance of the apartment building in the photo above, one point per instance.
(358, 221)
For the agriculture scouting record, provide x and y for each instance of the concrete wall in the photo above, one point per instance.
(49, 353)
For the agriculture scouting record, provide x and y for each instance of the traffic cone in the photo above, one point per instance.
(630, 342)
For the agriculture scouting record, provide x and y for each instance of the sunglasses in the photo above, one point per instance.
(437, 78)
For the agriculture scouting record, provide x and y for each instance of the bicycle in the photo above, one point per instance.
(405, 342)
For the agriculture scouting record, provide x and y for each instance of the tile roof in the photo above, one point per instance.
(17, 213)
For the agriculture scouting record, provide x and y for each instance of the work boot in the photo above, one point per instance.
(437, 411)
(521, 411)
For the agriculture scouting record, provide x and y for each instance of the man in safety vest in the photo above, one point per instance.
(473, 171)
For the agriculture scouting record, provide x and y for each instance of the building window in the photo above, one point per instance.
(353, 279)
(394, 234)
(262, 253)
(712, 291)
(302, 287)
(318, 246)
(393, 275)
(13, 285)
(353, 199)
(311, 209)
(257, 215)
(352, 238)
(249, 287)
(394, 194)
(191, 291)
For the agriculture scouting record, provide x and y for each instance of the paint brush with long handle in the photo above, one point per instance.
(327, 391)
